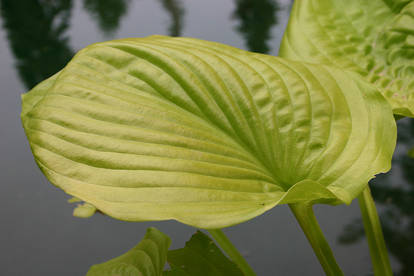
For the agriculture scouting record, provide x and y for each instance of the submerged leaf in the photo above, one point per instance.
(145, 259)
(164, 128)
(374, 38)
(201, 257)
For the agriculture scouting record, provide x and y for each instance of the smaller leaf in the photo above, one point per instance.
(145, 259)
(84, 210)
(201, 256)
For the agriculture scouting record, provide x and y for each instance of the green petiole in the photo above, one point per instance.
(373, 231)
(307, 221)
(232, 251)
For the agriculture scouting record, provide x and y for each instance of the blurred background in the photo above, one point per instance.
(39, 235)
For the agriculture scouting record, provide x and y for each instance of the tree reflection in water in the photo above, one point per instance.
(36, 30)
(107, 13)
(176, 11)
(394, 195)
(257, 17)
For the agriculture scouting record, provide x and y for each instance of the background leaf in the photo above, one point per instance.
(176, 128)
(146, 259)
(374, 38)
(201, 257)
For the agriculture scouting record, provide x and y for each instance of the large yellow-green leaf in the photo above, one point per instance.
(372, 37)
(164, 128)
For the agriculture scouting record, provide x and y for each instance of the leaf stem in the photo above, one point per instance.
(232, 251)
(373, 232)
(307, 221)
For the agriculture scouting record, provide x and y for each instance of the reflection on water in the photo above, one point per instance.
(36, 32)
(36, 29)
(257, 17)
(107, 13)
(176, 11)
(394, 195)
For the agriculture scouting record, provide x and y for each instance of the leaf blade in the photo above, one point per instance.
(210, 137)
(372, 38)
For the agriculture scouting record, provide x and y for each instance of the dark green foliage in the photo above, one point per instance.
(201, 257)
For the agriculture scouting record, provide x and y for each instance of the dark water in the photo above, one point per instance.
(39, 236)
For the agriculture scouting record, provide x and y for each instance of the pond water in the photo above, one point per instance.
(39, 235)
